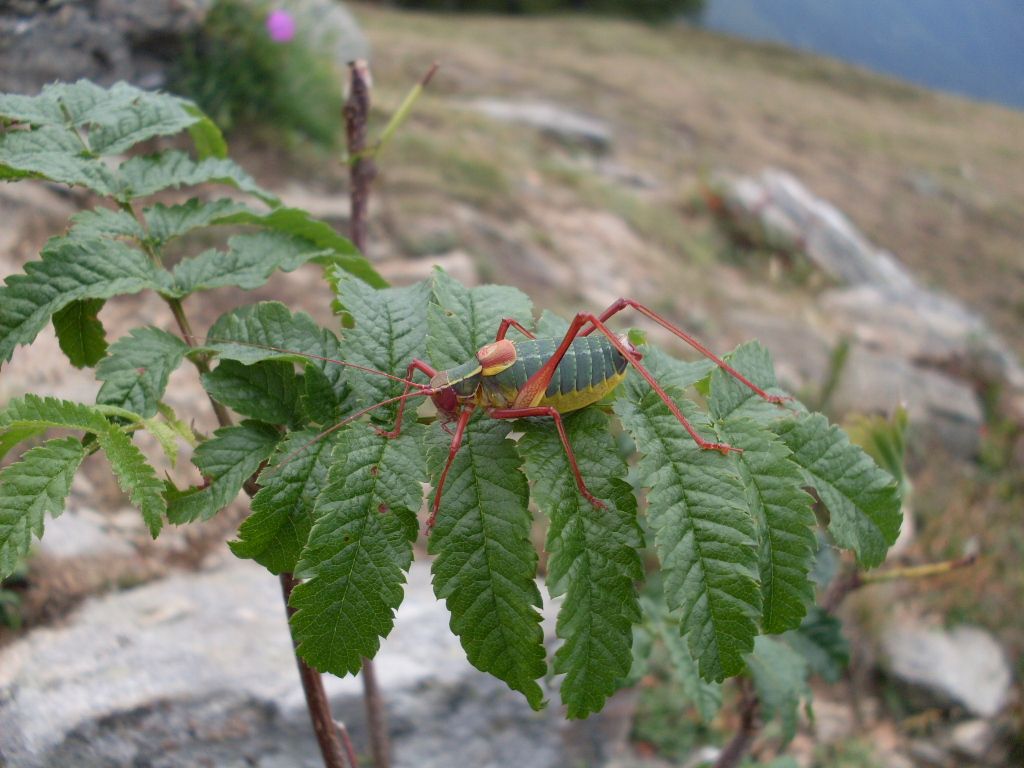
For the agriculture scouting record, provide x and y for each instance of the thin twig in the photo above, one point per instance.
(312, 683)
(346, 741)
(362, 168)
(316, 697)
(362, 171)
(744, 737)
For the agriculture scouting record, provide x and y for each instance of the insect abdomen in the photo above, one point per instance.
(591, 368)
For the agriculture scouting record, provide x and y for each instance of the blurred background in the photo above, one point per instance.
(843, 181)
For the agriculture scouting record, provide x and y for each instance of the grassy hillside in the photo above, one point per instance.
(936, 179)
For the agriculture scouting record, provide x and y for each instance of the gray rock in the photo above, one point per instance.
(881, 303)
(942, 409)
(103, 41)
(198, 670)
(135, 40)
(550, 119)
(973, 738)
(963, 666)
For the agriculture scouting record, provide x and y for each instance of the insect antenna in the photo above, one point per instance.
(309, 355)
(272, 470)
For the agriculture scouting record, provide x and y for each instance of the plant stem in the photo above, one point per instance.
(312, 683)
(362, 171)
(362, 168)
(327, 735)
(741, 741)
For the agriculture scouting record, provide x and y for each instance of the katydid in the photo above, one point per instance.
(540, 377)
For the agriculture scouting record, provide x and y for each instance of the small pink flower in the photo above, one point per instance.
(280, 26)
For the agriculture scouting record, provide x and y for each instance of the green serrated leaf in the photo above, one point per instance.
(226, 460)
(70, 270)
(57, 154)
(734, 399)
(267, 390)
(389, 330)
(863, 500)
(782, 510)
(105, 222)
(282, 511)
(780, 678)
(166, 222)
(166, 435)
(704, 696)
(248, 263)
(820, 641)
(359, 549)
(319, 234)
(136, 371)
(704, 534)
(29, 489)
(143, 176)
(206, 136)
(464, 319)
(484, 564)
(42, 413)
(279, 335)
(133, 474)
(594, 558)
(80, 332)
(11, 436)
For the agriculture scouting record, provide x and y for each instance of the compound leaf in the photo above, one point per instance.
(269, 331)
(484, 564)
(136, 371)
(282, 511)
(389, 330)
(820, 641)
(248, 263)
(147, 175)
(37, 484)
(465, 319)
(863, 500)
(359, 549)
(80, 332)
(267, 390)
(782, 510)
(134, 475)
(780, 678)
(704, 534)
(594, 558)
(70, 270)
(227, 460)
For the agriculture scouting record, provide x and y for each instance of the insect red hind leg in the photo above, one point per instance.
(415, 365)
(621, 304)
(460, 430)
(541, 410)
(535, 386)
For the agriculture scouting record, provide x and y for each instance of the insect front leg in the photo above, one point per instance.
(460, 430)
(415, 365)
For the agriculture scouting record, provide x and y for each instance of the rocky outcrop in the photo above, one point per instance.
(197, 669)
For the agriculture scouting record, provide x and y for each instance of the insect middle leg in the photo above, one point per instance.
(535, 386)
(547, 410)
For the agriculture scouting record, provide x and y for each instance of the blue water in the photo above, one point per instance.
(971, 47)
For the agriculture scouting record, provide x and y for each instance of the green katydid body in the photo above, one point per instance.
(591, 368)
